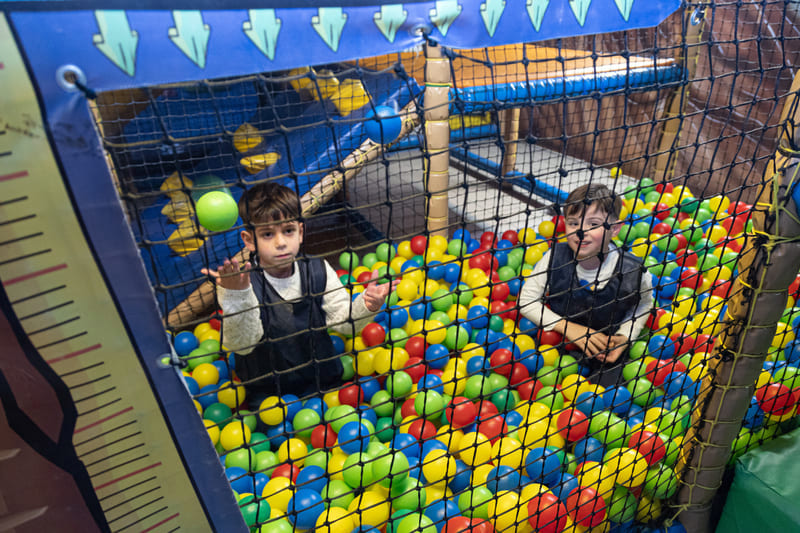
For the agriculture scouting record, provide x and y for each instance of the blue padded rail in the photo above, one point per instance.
(505, 95)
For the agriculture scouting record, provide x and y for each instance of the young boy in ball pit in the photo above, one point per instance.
(278, 307)
(588, 290)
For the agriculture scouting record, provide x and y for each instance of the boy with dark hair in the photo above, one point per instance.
(277, 308)
(594, 294)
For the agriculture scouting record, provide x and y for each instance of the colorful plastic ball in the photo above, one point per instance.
(304, 508)
(547, 514)
(184, 343)
(217, 211)
(382, 124)
(586, 507)
(429, 404)
(218, 413)
(543, 465)
(354, 437)
(572, 424)
(357, 470)
(660, 482)
(241, 481)
(272, 411)
(408, 493)
(335, 520)
(255, 512)
(234, 435)
(474, 502)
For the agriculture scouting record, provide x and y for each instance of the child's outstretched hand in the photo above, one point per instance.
(230, 276)
(375, 294)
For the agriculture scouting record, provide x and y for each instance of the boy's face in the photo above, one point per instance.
(587, 235)
(276, 244)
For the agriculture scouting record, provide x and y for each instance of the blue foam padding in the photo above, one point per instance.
(504, 95)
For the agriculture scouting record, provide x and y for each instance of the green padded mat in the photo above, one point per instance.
(765, 494)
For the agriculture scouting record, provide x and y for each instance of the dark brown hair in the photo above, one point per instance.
(581, 198)
(268, 202)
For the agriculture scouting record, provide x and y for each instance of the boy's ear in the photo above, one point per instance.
(615, 228)
(248, 240)
(301, 231)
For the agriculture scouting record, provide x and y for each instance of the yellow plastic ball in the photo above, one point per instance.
(454, 380)
(206, 374)
(508, 451)
(640, 247)
(404, 250)
(570, 384)
(335, 520)
(533, 255)
(370, 509)
(198, 406)
(476, 449)
(506, 514)
(630, 466)
(526, 235)
(429, 287)
(549, 354)
(530, 491)
(416, 275)
(471, 350)
(648, 509)
(719, 204)
(293, 450)
(481, 475)
(278, 491)
(439, 464)
(232, 395)
(435, 332)
(450, 437)
(200, 329)
(364, 363)
(546, 229)
(234, 435)
(436, 492)
(213, 431)
(533, 432)
(336, 465)
(396, 264)
(597, 476)
(457, 312)
(272, 411)
(524, 343)
(437, 242)
(407, 289)
(716, 233)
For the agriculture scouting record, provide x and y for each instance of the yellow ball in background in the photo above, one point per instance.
(278, 491)
(234, 435)
(335, 520)
(232, 394)
(293, 450)
(272, 411)
(213, 431)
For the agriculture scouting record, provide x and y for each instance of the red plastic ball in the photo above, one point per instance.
(546, 513)
(419, 244)
(351, 395)
(511, 236)
(662, 229)
(664, 187)
(488, 238)
(422, 429)
(373, 334)
(662, 211)
(460, 412)
(586, 507)
(408, 409)
(776, 399)
(416, 346)
(652, 320)
(286, 470)
(529, 389)
(493, 428)
(519, 374)
(500, 292)
(415, 368)
(572, 424)
(550, 337)
(486, 409)
(364, 277)
(722, 289)
(501, 360)
(215, 323)
(649, 444)
(323, 436)
(561, 224)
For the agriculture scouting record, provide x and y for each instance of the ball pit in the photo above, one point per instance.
(460, 415)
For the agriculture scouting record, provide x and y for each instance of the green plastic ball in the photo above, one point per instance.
(456, 338)
(348, 260)
(217, 211)
(357, 470)
(385, 252)
(399, 384)
(338, 493)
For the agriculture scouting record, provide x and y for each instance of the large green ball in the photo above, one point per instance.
(217, 211)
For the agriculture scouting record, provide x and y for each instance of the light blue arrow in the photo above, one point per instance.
(444, 14)
(263, 28)
(580, 8)
(536, 9)
(389, 19)
(329, 23)
(491, 11)
(624, 7)
(116, 40)
(190, 34)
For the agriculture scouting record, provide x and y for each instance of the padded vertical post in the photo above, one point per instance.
(437, 136)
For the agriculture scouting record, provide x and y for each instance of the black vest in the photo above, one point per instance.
(296, 354)
(603, 310)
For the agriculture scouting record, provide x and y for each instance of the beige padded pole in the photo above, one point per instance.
(437, 138)
(509, 129)
(768, 264)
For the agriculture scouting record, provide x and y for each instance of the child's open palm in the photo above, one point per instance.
(230, 276)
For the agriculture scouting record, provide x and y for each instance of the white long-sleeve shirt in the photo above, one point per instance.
(531, 296)
(242, 326)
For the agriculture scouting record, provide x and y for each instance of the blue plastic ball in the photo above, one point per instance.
(185, 342)
(304, 508)
(241, 481)
(618, 399)
(192, 385)
(503, 478)
(532, 360)
(478, 316)
(383, 125)
(354, 437)
(543, 465)
(565, 484)
(224, 370)
(437, 355)
(207, 395)
(588, 449)
(311, 477)
(406, 443)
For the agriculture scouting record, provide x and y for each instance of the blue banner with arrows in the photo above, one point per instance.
(119, 48)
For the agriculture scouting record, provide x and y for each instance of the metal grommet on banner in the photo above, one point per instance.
(697, 16)
(71, 78)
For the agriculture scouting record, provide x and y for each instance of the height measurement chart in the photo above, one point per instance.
(76, 407)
